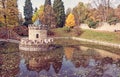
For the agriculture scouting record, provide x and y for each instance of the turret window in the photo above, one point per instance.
(37, 35)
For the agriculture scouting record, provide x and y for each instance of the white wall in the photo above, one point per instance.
(103, 27)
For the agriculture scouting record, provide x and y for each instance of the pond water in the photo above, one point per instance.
(77, 61)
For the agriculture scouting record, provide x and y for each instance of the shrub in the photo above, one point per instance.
(70, 21)
(1, 24)
(66, 29)
(91, 23)
(50, 33)
(78, 31)
(113, 20)
(21, 30)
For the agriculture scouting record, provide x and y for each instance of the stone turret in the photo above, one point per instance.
(37, 32)
(37, 38)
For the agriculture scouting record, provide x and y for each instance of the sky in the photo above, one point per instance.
(67, 3)
(37, 3)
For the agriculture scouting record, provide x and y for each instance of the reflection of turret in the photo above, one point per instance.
(38, 61)
(35, 65)
(10, 65)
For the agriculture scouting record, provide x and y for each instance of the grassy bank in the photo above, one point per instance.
(69, 42)
(111, 37)
(101, 36)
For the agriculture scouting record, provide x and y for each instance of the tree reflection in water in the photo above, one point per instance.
(63, 62)
(43, 61)
(9, 65)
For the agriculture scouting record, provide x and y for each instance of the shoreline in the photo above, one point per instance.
(114, 45)
(66, 41)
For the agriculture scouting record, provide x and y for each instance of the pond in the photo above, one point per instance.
(76, 61)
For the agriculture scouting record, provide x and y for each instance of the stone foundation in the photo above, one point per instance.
(33, 48)
(41, 45)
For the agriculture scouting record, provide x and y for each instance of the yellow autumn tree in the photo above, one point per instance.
(38, 14)
(68, 52)
(70, 21)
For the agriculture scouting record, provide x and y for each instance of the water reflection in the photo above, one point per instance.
(9, 65)
(74, 61)
(43, 63)
(69, 62)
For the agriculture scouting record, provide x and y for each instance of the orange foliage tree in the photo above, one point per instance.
(70, 21)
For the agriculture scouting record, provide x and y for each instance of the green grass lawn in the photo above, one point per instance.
(61, 33)
(101, 36)
(111, 37)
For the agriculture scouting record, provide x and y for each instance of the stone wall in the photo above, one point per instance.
(103, 27)
(26, 41)
(84, 26)
(42, 34)
(36, 45)
(107, 27)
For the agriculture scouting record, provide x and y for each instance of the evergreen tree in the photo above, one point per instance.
(58, 8)
(28, 12)
(47, 2)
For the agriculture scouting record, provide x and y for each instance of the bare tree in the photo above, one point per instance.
(103, 7)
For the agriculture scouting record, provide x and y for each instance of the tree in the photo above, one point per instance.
(38, 14)
(80, 13)
(68, 11)
(41, 14)
(2, 12)
(46, 15)
(117, 12)
(2, 20)
(47, 2)
(49, 16)
(103, 7)
(58, 8)
(12, 12)
(35, 9)
(20, 19)
(118, 6)
(9, 12)
(70, 21)
(28, 12)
